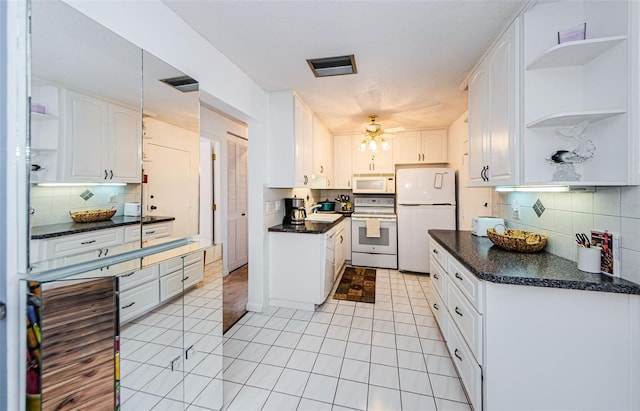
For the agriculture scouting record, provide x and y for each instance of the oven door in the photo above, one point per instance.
(387, 243)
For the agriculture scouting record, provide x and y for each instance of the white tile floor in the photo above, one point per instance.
(149, 343)
(384, 356)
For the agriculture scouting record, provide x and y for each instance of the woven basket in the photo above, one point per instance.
(92, 216)
(517, 240)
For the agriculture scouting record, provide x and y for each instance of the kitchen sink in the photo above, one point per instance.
(323, 217)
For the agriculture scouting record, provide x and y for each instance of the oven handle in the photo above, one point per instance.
(382, 219)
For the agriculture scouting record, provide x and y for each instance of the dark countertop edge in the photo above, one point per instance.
(607, 283)
(309, 227)
(59, 230)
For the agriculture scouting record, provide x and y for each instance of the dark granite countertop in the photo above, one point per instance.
(492, 263)
(309, 227)
(57, 230)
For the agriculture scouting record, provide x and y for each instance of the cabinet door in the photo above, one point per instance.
(84, 138)
(123, 150)
(383, 159)
(320, 148)
(502, 133)
(406, 148)
(361, 161)
(342, 173)
(433, 147)
(303, 143)
(477, 107)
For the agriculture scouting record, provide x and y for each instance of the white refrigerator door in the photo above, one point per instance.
(413, 238)
(425, 186)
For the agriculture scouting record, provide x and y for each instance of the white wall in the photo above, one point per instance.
(471, 201)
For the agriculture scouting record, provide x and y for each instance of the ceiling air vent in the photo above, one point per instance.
(333, 66)
(182, 83)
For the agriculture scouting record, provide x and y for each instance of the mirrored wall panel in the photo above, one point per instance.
(113, 144)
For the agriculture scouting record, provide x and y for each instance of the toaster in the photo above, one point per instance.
(132, 209)
(480, 224)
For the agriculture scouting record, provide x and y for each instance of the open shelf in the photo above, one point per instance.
(570, 119)
(574, 53)
(42, 117)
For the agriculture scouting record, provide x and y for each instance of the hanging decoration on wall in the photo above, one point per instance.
(565, 160)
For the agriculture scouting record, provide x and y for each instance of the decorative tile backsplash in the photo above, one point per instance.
(52, 205)
(561, 215)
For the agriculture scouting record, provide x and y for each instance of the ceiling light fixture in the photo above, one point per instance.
(374, 137)
(333, 66)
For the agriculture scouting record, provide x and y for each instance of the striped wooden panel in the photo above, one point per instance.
(78, 323)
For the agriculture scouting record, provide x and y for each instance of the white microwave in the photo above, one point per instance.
(374, 184)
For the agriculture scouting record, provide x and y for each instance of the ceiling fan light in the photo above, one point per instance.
(385, 144)
(373, 145)
(363, 145)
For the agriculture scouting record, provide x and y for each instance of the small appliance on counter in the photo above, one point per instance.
(479, 225)
(132, 209)
(294, 211)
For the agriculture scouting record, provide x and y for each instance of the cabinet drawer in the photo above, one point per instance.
(439, 278)
(159, 230)
(138, 300)
(176, 263)
(467, 319)
(469, 284)
(470, 372)
(437, 252)
(136, 278)
(439, 310)
(80, 243)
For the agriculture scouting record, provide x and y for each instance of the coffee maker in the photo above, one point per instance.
(294, 211)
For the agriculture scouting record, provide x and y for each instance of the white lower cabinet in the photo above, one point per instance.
(173, 279)
(519, 347)
(138, 300)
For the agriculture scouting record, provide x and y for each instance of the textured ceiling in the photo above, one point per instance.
(411, 56)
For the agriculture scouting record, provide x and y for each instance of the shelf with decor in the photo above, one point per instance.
(570, 119)
(580, 104)
(574, 53)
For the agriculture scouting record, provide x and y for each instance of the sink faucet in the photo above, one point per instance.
(314, 208)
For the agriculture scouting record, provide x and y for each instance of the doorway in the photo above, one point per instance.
(237, 218)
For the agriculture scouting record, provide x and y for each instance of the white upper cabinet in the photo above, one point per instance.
(420, 147)
(581, 97)
(290, 141)
(494, 114)
(366, 162)
(342, 170)
(322, 155)
(101, 140)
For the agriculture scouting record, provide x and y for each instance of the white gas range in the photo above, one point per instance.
(374, 233)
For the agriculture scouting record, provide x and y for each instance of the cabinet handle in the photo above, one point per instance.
(88, 242)
(458, 276)
(128, 305)
(110, 174)
(436, 306)
(321, 169)
(486, 173)
(457, 355)
(374, 166)
(435, 251)
(185, 279)
(105, 254)
(306, 180)
(188, 351)
(174, 363)
(105, 174)
(128, 275)
(436, 276)
(457, 310)
(99, 253)
(418, 156)
(150, 232)
(328, 182)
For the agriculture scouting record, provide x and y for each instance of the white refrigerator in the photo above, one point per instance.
(425, 199)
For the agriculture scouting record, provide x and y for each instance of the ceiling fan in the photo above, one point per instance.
(375, 136)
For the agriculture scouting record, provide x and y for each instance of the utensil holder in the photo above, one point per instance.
(589, 259)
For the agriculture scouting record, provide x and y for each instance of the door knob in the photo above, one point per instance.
(153, 207)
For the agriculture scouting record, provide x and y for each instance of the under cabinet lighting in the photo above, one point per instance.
(546, 189)
(78, 184)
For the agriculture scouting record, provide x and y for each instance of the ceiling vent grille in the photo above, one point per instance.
(333, 66)
(182, 83)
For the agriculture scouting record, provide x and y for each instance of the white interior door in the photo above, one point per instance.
(237, 241)
(168, 186)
